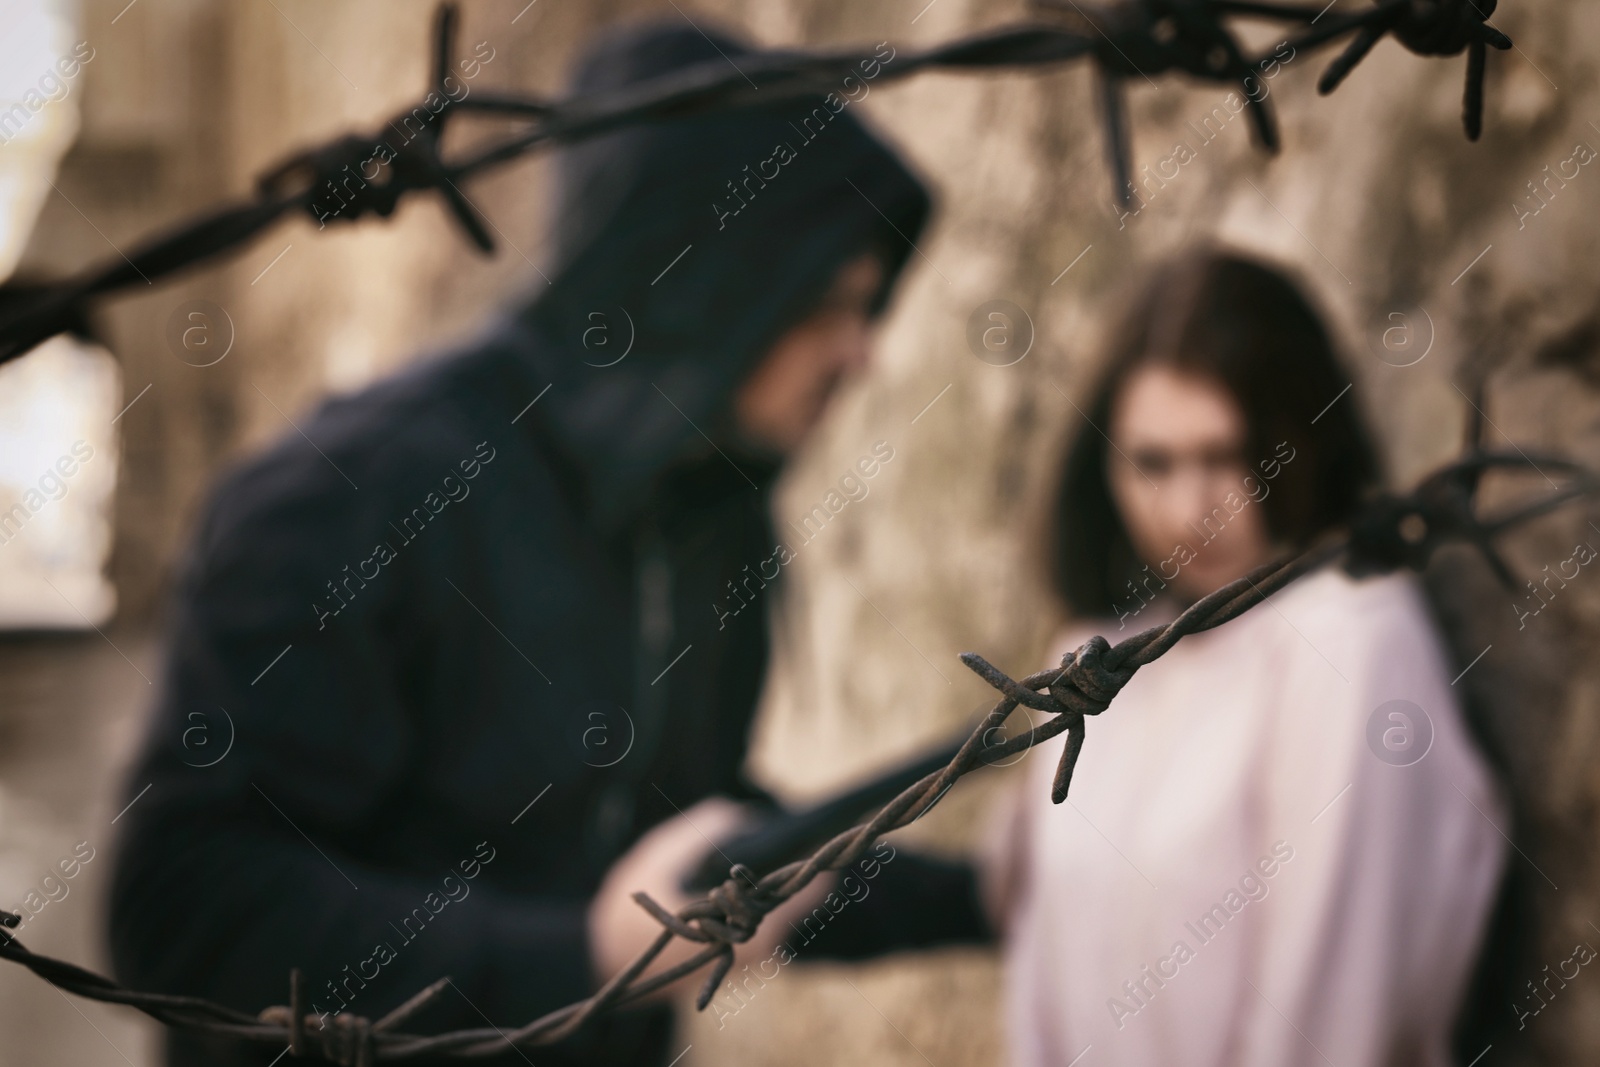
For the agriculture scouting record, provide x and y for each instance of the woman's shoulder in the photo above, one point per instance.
(1327, 616)
(1339, 588)
(1372, 613)
(1358, 646)
(1076, 630)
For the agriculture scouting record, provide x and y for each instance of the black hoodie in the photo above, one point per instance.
(437, 661)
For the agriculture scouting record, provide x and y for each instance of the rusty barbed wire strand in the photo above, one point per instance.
(1393, 531)
(1133, 38)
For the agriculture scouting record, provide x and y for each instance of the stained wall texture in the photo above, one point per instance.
(1438, 260)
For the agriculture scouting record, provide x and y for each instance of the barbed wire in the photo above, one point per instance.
(1393, 531)
(1133, 38)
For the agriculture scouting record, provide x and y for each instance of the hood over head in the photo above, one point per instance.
(691, 245)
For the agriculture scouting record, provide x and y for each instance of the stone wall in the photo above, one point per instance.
(1384, 209)
(1410, 236)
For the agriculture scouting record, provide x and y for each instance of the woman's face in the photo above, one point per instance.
(1176, 470)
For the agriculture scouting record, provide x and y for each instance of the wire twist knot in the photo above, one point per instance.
(1445, 27)
(741, 904)
(1088, 682)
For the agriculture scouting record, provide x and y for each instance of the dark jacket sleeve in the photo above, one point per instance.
(236, 865)
(896, 900)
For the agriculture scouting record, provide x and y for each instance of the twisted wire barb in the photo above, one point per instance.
(1131, 38)
(1392, 532)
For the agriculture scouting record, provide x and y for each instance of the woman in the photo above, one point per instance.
(1280, 846)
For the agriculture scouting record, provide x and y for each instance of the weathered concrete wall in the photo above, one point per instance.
(1377, 199)
(1382, 205)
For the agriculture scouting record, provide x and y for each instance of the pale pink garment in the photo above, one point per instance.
(1355, 951)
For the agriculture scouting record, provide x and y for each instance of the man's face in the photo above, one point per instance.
(785, 396)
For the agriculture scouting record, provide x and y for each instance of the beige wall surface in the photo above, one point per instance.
(1423, 248)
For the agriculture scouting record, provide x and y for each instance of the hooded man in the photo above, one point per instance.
(467, 645)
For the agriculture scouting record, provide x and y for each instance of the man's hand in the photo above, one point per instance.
(657, 864)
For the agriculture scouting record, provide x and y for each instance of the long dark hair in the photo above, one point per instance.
(1247, 326)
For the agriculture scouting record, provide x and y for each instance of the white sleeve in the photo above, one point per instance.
(1361, 952)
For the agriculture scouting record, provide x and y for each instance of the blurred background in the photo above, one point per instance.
(1441, 262)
